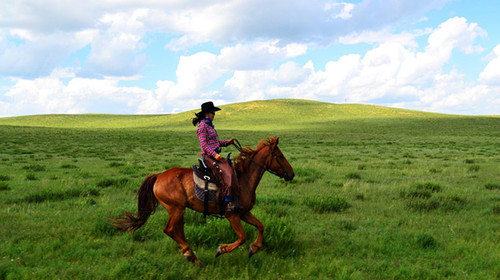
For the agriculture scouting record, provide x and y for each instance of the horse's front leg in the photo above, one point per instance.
(249, 218)
(235, 221)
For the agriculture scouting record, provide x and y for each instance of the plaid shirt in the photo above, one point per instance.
(209, 142)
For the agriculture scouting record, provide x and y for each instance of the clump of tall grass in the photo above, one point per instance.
(34, 168)
(421, 198)
(429, 186)
(275, 205)
(308, 175)
(407, 161)
(359, 196)
(425, 194)
(68, 166)
(423, 205)
(104, 228)
(4, 186)
(322, 204)
(23, 152)
(425, 241)
(31, 177)
(4, 178)
(493, 186)
(54, 195)
(353, 176)
(347, 225)
(422, 190)
(474, 168)
(452, 203)
(279, 236)
(111, 182)
(131, 169)
(362, 167)
(276, 199)
(445, 203)
(144, 234)
(336, 184)
(212, 233)
(434, 170)
(116, 164)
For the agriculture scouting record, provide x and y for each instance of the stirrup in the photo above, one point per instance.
(230, 207)
(233, 206)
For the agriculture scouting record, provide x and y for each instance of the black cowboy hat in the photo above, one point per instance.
(208, 107)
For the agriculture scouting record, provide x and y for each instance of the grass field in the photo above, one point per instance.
(379, 193)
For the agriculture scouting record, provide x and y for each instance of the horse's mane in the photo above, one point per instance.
(247, 153)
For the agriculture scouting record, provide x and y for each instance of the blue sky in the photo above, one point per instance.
(152, 56)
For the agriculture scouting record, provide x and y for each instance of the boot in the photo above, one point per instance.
(233, 206)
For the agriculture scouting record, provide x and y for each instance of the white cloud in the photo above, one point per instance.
(491, 74)
(291, 74)
(37, 55)
(115, 46)
(196, 73)
(288, 21)
(259, 55)
(343, 10)
(456, 33)
(50, 95)
(115, 29)
(393, 71)
(249, 85)
(385, 35)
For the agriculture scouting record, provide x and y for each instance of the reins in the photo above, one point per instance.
(238, 146)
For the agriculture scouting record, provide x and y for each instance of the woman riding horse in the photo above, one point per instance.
(210, 150)
(174, 190)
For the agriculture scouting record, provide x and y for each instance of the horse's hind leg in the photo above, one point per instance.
(249, 218)
(175, 229)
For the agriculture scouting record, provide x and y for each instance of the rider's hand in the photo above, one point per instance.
(231, 141)
(217, 157)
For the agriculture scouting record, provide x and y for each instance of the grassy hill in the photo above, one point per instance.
(270, 114)
(379, 193)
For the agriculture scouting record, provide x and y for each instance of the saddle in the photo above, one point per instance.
(206, 186)
(202, 174)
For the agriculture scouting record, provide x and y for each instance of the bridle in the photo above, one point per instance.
(272, 151)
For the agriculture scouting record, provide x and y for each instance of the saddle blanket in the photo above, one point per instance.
(200, 194)
(199, 189)
(200, 182)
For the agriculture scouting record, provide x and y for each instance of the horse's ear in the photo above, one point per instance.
(277, 140)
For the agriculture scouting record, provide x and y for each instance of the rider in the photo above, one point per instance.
(210, 150)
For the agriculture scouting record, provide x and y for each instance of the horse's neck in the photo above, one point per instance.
(252, 174)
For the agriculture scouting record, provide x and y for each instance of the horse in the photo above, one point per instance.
(174, 190)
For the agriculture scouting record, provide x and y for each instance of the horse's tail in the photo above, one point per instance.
(146, 205)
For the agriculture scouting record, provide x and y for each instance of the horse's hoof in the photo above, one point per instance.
(189, 258)
(250, 252)
(219, 252)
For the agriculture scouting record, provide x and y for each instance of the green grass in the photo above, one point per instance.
(379, 193)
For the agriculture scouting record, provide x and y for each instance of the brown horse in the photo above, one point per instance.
(174, 190)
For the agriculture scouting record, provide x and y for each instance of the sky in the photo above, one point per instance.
(162, 57)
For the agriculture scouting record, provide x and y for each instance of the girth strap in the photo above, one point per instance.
(205, 202)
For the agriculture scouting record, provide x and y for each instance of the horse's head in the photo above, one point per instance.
(276, 162)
